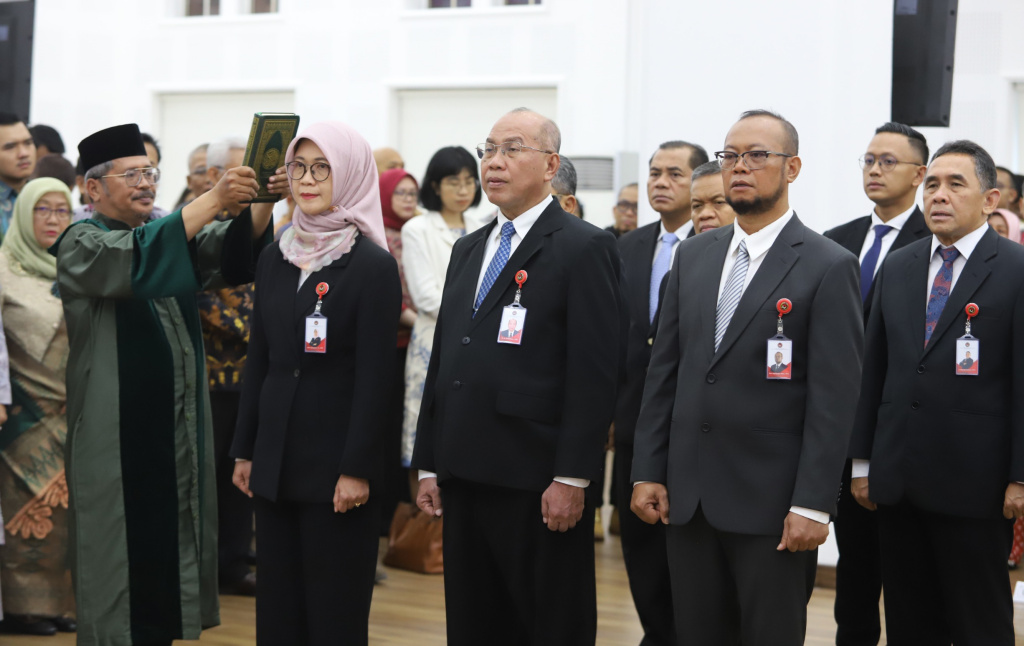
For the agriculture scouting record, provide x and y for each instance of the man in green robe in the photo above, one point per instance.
(139, 448)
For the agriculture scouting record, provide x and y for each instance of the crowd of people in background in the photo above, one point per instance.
(417, 393)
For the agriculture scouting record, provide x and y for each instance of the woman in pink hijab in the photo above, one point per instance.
(1006, 223)
(315, 395)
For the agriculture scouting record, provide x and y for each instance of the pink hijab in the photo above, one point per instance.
(315, 240)
(1012, 224)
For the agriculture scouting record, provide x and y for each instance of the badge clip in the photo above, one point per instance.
(784, 306)
(321, 290)
(521, 276)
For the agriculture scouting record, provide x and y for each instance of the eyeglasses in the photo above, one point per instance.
(133, 176)
(623, 205)
(752, 159)
(297, 170)
(404, 194)
(44, 213)
(509, 148)
(456, 184)
(887, 163)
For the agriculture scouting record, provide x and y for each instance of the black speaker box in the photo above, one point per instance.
(923, 36)
(16, 24)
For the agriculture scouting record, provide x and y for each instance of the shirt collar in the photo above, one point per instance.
(524, 221)
(964, 245)
(759, 242)
(897, 222)
(681, 232)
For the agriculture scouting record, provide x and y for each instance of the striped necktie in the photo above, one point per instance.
(732, 293)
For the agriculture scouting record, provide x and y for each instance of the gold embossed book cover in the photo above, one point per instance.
(268, 140)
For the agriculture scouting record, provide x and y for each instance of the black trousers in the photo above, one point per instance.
(646, 555)
(508, 579)
(234, 509)
(731, 589)
(945, 578)
(858, 572)
(315, 573)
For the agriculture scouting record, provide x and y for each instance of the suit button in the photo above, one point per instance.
(920, 369)
(705, 427)
(465, 340)
(650, 341)
(711, 378)
(296, 373)
(916, 405)
(456, 385)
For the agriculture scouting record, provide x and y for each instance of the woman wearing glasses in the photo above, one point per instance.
(450, 187)
(34, 579)
(312, 416)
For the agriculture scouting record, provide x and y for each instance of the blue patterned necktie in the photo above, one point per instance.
(660, 268)
(731, 294)
(867, 266)
(497, 263)
(940, 291)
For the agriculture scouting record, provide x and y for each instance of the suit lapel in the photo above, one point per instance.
(973, 275)
(780, 259)
(855, 242)
(712, 262)
(545, 224)
(914, 229)
(916, 293)
(644, 268)
(305, 298)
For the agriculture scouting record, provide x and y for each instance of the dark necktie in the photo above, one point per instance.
(940, 291)
(867, 266)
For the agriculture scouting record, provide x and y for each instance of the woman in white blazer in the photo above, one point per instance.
(451, 185)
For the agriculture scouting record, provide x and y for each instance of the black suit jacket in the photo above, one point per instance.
(945, 443)
(305, 419)
(637, 251)
(851, 236)
(712, 426)
(520, 415)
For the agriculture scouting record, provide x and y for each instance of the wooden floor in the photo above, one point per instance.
(408, 609)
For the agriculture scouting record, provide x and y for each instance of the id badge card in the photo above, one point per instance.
(968, 354)
(780, 358)
(513, 322)
(316, 334)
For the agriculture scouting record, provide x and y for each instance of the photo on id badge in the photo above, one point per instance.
(513, 320)
(968, 354)
(780, 359)
(316, 334)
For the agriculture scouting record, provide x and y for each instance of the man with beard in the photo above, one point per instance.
(753, 461)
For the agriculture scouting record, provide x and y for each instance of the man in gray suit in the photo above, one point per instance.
(751, 465)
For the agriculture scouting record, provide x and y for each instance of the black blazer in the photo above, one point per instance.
(851, 236)
(712, 426)
(945, 443)
(637, 251)
(305, 419)
(520, 415)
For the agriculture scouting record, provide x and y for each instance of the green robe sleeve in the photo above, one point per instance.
(228, 253)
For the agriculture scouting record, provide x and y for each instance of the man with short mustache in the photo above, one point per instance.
(749, 462)
(893, 168)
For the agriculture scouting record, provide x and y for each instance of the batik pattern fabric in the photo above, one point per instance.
(226, 315)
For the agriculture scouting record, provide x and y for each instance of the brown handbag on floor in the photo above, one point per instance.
(414, 541)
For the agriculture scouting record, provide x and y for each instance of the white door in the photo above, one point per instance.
(187, 120)
(432, 119)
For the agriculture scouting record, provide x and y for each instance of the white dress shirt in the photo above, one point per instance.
(681, 233)
(888, 239)
(965, 245)
(523, 223)
(758, 244)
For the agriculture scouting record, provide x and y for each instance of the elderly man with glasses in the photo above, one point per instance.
(140, 450)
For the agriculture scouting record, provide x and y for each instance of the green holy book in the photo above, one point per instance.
(268, 140)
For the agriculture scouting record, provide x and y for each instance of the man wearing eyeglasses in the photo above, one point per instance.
(893, 168)
(749, 463)
(511, 435)
(140, 451)
(624, 212)
(196, 182)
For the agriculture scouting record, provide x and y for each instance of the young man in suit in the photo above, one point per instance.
(509, 436)
(941, 453)
(647, 255)
(893, 168)
(750, 465)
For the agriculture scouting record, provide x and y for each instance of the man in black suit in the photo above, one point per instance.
(944, 453)
(751, 465)
(967, 361)
(509, 436)
(646, 258)
(893, 167)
